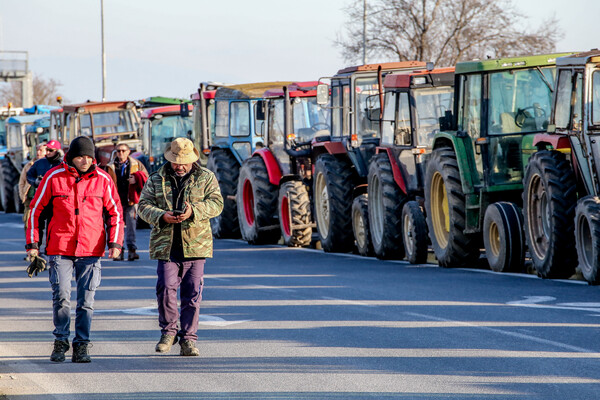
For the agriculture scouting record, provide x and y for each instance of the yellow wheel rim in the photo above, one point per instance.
(440, 212)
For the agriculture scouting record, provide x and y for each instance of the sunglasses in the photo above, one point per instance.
(121, 151)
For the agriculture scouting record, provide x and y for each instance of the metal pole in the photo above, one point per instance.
(103, 52)
(364, 32)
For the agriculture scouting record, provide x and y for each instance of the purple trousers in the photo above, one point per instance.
(188, 277)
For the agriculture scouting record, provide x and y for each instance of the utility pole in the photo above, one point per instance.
(364, 32)
(103, 51)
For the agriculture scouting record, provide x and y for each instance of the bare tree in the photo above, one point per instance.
(45, 91)
(442, 31)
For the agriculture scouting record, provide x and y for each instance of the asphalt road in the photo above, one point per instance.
(279, 323)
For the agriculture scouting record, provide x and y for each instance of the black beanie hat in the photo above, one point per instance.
(81, 146)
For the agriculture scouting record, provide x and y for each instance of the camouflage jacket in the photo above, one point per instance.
(202, 192)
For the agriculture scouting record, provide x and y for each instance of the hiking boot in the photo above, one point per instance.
(80, 353)
(133, 256)
(60, 347)
(188, 348)
(165, 343)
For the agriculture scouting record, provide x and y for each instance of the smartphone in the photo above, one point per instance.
(176, 213)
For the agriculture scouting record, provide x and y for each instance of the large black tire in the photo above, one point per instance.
(445, 206)
(360, 225)
(333, 184)
(11, 179)
(19, 207)
(587, 238)
(549, 201)
(294, 214)
(257, 203)
(503, 237)
(385, 209)
(227, 170)
(414, 233)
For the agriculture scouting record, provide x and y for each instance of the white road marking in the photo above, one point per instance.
(533, 302)
(507, 333)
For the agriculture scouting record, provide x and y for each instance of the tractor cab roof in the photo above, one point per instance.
(24, 119)
(295, 89)
(248, 90)
(157, 101)
(511, 63)
(592, 56)
(164, 110)
(43, 122)
(384, 66)
(208, 94)
(95, 107)
(435, 77)
(40, 109)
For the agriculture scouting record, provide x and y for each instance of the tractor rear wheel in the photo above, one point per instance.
(19, 207)
(360, 225)
(226, 170)
(587, 238)
(257, 203)
(445, 206)
(333, 184)
(414, 233)
(294, 214)
(385, 209)
(549, 201)
(11, 179)
(503, 237)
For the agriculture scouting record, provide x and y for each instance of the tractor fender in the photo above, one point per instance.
(271, 163)
(329, 147)
(541, 140)
(360, 189)
(463, 148)
(398, 178)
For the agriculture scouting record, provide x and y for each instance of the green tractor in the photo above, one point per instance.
(561, 185)
(474, 178)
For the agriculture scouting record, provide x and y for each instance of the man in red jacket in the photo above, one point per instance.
(74, 197)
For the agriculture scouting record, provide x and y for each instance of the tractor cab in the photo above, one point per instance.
(5, 114)
(106, 123)
(160, 126)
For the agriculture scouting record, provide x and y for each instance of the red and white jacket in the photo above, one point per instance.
(75, 207)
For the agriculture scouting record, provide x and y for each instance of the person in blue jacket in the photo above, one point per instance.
(45, 164)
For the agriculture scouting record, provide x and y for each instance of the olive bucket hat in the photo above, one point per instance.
(181, 151)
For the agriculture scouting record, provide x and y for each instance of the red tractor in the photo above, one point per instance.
(415, 103)
(274, 187)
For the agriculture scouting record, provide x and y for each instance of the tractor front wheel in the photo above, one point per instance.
(445, 206)
(503, 237)
(414, 233)
(294, 214)
(360, 225)
(587, 238)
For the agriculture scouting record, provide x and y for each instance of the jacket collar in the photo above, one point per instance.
(73, 171)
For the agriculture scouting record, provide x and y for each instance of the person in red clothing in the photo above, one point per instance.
(74, 197)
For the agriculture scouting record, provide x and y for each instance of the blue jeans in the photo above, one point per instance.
(130, 213)
(87, 276)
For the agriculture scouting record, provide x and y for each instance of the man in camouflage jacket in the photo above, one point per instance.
(178, 200)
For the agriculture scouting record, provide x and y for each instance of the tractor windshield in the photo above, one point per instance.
(520, 100)
(310, 119)
(165, 130)
(367, 107)
(108, 123)
(2, 133)
(596, 98)
(431, 105)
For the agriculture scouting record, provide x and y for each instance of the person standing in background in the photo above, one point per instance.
(128, 173)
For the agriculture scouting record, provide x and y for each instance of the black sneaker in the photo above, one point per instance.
(80, 353)
(165, 343)
(188, 348)
(133, 256)
(60, 347)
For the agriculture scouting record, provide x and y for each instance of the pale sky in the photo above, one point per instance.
(167, 47)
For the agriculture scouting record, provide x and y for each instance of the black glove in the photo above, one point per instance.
(37, 265)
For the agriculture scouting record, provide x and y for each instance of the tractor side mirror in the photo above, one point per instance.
(446, 121)
(184, 110)
(260, 110)
(322, 94)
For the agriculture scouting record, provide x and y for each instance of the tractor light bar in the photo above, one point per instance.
(418, 151)
(80, 110)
